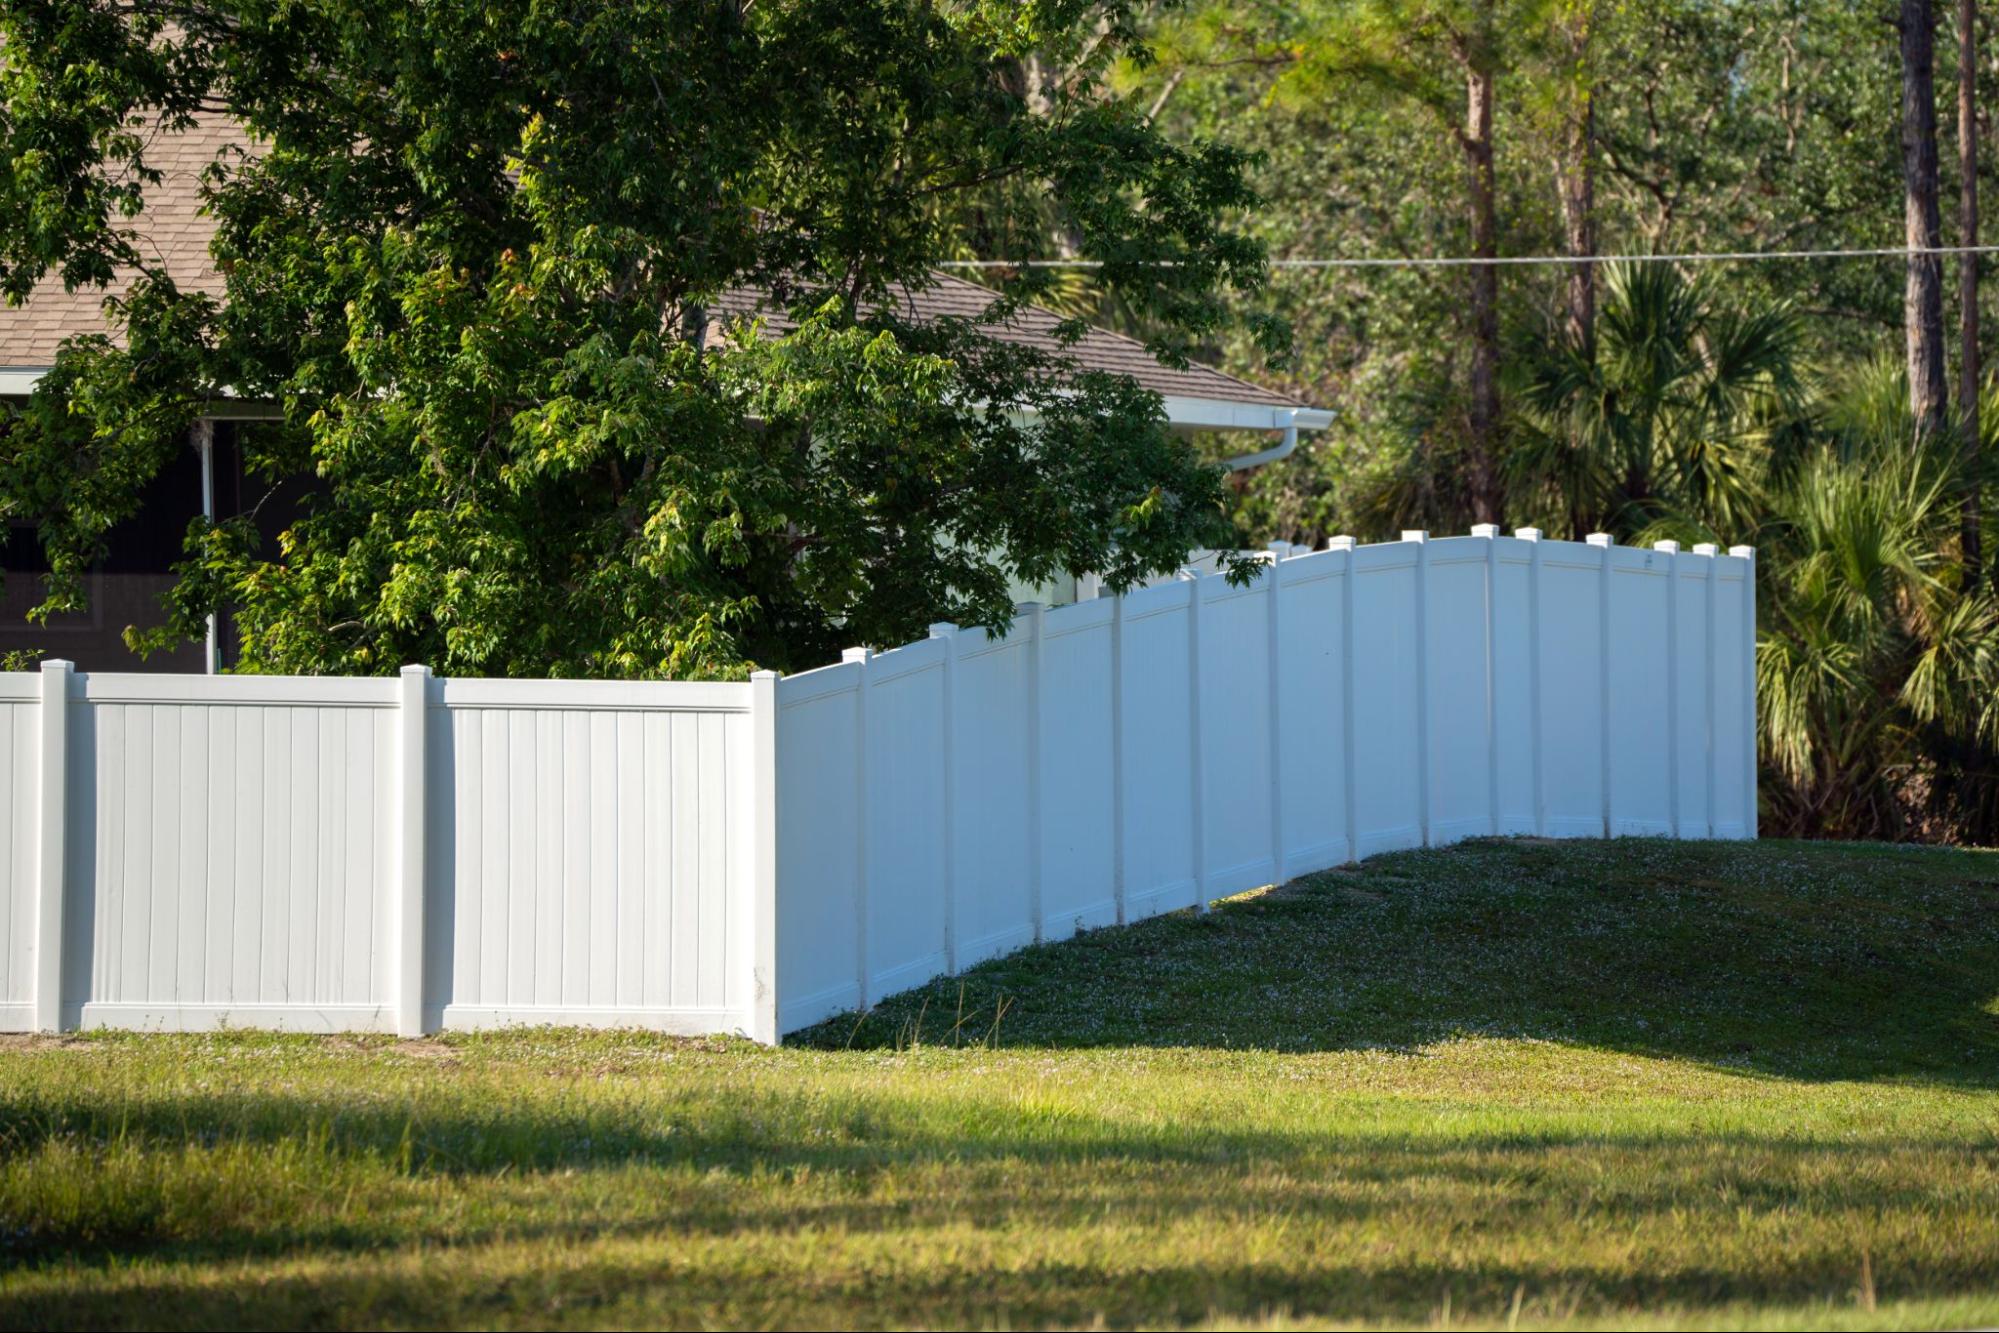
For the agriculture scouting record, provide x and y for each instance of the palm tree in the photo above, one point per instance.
(1878, 660)
(1685, 397)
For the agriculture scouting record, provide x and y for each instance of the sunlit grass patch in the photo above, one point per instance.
(1505, 1084)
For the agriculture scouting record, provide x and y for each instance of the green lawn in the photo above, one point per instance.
(1506, 1083)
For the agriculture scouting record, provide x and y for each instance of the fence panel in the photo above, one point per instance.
(20, 736)
(1387, 724)
(1570, 656)
(820, 851)
(1458, 653)
(1077, 779)
(229, 852)
(1734, 751)
(905, 817)
(1693, 691)
(995, 772)
(1515, 692)
(587, 853)
(1641, 692)
(1156, 678)
(1235, 742)
(1310, 777)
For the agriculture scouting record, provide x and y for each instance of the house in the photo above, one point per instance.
(126, 586)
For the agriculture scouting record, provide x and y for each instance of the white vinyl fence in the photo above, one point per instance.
(403, 855)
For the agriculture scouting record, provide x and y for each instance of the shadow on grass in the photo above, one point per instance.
(1808, 960)
(205, 1177)
(641, 1284)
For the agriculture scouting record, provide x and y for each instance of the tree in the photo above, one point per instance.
(1447, 59)
(1671, 415)
(1967, 279)
(475, 250)
(1922, 227)
(1576, 174)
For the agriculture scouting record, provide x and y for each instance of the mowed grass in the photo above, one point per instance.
(1504, 1084)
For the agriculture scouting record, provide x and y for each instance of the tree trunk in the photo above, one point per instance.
(1477, 139)
(1922, 308)
(1577, 186)
(1968, 375)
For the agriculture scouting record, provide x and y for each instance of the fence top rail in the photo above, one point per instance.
(653, 696)
(1301, 564)
(164, 689)
(121, 687)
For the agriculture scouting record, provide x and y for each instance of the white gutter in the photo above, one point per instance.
(20, 381)
(1181, 414)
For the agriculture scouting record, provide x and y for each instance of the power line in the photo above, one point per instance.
(1459, 261)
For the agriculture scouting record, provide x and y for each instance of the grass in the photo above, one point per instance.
(1505, 1084)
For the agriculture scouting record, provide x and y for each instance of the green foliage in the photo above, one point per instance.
(1676, 409)
(474, 252)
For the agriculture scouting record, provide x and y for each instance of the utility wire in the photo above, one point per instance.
(1458, 261)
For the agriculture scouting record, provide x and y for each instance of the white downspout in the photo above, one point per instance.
(1271, 455)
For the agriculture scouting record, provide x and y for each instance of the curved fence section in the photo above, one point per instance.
(407, 854)
(957, 798)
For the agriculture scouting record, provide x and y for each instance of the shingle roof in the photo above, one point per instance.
(171, 232)
(1098, 349)
(172, 229)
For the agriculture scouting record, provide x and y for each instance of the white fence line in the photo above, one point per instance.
(409, 854)
(954, 799)
(329, 854)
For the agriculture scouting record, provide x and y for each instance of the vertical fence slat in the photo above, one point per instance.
(1424, 814)
(1603, 541)
(761, 1023)
(1710, 741)
(1037, 908)
(52, 845)
(1117, 760)
(1273, 578)
(1489, 533)
(1345, 546)
(1197, 777)
(948, 743)
(1748, 557)
(412, 703)
(863, 971)
(1672, 552)
(1533, 537)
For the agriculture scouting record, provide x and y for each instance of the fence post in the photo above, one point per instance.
(1603, 541)
(412, 699)
(1197, 778)
(1117, 757)
(1274, 619)
(1423, 812)
(1708, 729)
(1533, 537)
(1672, 553)
(1748, 557)
(1490, 533)
(862, 972)
(763, 1018)
(52, 845)
(948, 739)
(1345, 545)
